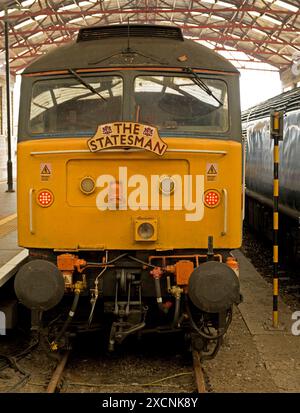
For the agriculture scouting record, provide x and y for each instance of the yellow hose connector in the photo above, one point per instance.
(53, 346)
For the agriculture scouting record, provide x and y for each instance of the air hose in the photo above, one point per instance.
(176, 312)
(158, 295)
(200, 332)
(54, 345)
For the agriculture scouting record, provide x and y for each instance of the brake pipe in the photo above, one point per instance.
(157, 274)
(54, 344)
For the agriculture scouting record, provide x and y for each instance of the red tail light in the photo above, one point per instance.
(45, 198)
(212, 198)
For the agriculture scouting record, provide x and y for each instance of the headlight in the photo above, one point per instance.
(167, 185)
(87, 185)
(146, 230)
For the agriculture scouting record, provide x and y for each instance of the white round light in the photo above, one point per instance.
(167, 185)
(87, 185)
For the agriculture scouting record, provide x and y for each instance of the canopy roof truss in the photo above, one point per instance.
(254, 34)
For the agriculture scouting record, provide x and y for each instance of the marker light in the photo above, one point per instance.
(167, 185)
(87, 185)
(45, 198)
(212, 198)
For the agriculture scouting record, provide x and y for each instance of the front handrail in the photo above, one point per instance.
(225, 193)
(31, 229)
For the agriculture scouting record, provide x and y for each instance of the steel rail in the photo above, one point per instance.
(56, 377)
(199, 376)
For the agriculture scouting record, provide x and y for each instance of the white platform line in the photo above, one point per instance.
(7, 219)
(8, 269)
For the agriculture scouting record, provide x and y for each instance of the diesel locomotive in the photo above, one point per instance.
(130, 187)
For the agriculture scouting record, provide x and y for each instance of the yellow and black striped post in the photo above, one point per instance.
(276, 133)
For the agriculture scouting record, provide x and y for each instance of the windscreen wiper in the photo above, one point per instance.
(196, 79)
(84, 83)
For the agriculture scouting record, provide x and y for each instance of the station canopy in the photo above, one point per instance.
(254, 34)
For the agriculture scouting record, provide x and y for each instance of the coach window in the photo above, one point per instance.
(173, 102)
(66, 106)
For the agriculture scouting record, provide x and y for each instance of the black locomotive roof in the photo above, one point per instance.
(133, 45)
(286, 102)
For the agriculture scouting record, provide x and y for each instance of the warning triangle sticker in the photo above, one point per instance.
(212, 170)
(46, 170)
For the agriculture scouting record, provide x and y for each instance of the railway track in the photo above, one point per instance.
(199, 376)
(57, 374)
(56, 378)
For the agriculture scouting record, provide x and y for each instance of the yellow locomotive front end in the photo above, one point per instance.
(79, 200)
(130, 191)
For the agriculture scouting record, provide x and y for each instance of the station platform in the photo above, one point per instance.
(11, 255)
(278, 349)
(8, 201)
